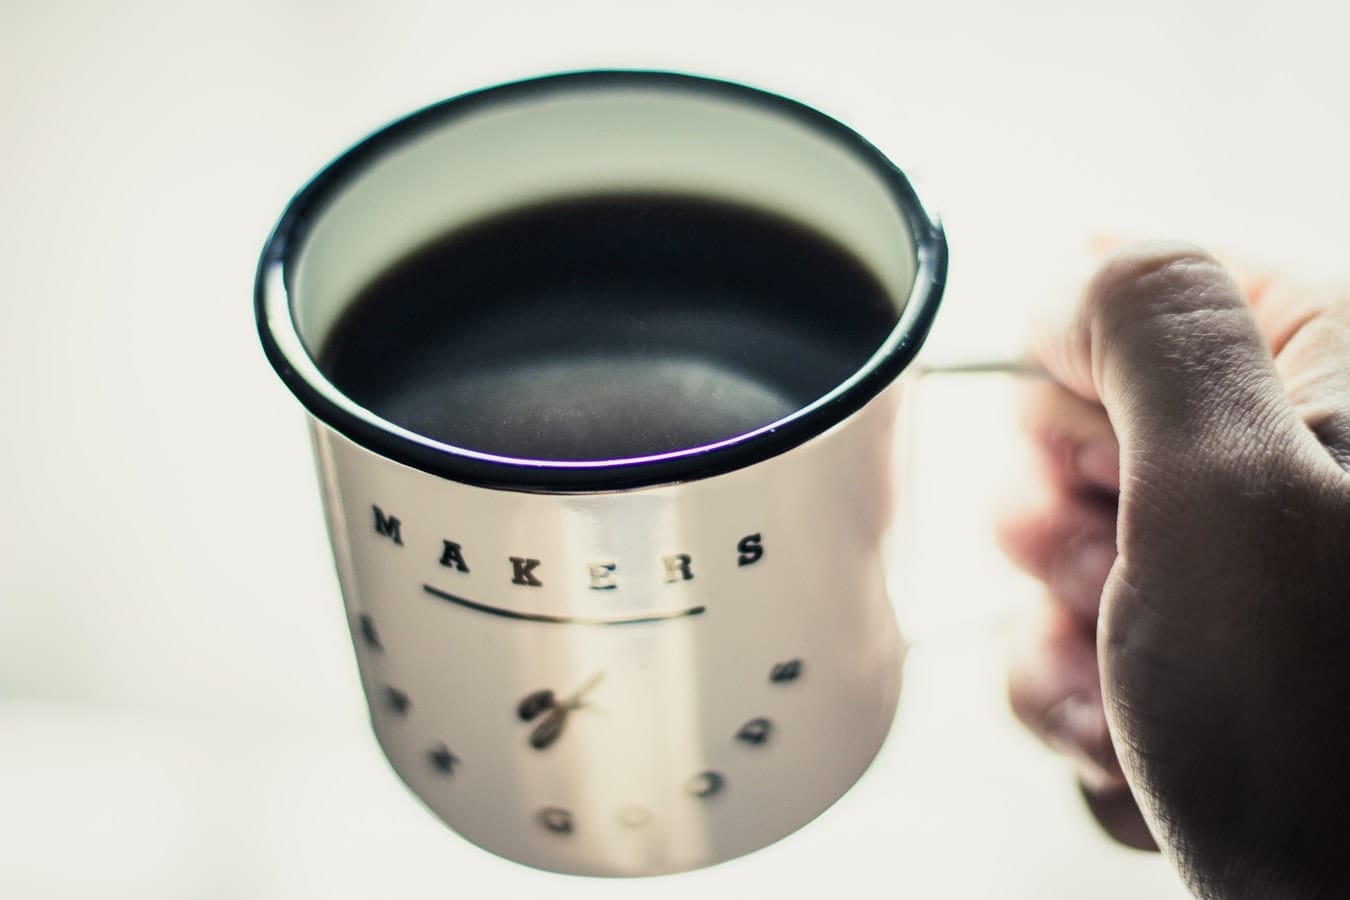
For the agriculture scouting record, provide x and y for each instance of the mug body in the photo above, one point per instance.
(628, 663)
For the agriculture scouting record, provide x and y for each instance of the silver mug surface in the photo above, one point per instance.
(613, 666)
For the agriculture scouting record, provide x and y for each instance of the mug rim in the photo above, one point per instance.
(278, 330)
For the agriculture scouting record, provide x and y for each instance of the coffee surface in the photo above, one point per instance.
(606, 327)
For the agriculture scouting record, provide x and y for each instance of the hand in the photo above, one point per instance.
(1192, 528)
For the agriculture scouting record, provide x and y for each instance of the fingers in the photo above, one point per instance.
(1117, 812)
(1054, 689)
(1307, 328)
(1309, 332)
(1165, 340)
(1060, 529)
(1073, 438)
(1067, 543)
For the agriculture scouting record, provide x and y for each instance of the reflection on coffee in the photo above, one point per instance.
(608, 326)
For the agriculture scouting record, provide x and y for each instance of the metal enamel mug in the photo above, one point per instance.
(624, 666)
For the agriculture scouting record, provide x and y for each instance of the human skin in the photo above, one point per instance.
(1191, 524)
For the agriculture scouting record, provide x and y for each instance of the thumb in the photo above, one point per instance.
(1164, 339)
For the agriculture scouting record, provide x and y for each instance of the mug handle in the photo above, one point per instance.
(922, 628)
(1017, 367)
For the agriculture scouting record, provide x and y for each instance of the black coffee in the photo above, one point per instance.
(608, 326)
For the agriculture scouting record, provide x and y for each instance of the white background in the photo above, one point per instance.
(179, 710)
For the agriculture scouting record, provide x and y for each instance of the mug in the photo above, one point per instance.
(612, 651)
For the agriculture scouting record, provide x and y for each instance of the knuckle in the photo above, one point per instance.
(1027, 693)
(1158, 277)
(1022, 702)
(1097, 745)
(1010, 528)
(1169, 261)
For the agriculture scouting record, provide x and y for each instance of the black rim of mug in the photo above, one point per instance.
(368, 430)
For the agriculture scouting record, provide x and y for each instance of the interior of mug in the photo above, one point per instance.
(603, 137)
(507, 150)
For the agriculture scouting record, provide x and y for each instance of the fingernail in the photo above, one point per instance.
(1079, 574)
(1076, 727)
(1098, 463)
